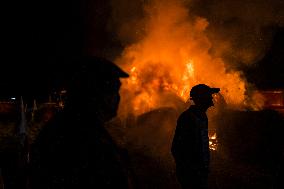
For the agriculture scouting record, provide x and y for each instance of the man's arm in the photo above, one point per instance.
(184, 146)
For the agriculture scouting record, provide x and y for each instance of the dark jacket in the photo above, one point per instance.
(190, 147)
(71, 152)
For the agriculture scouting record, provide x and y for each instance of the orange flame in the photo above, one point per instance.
(172, 57)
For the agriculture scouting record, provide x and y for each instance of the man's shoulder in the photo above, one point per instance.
(187, 113)
(186, 117)
(55, 128)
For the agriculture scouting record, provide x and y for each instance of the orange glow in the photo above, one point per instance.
(257, 101)
(213, 142)
(172, 57)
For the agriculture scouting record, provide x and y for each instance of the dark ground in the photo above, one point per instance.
(248, 156)
(250, 148)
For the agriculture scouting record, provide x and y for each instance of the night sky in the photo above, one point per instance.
(41, 37)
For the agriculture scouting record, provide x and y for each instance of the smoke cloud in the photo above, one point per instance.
(240, 31)
(170, 45)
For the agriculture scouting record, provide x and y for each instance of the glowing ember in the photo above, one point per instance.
(172, 57)
(213, 143)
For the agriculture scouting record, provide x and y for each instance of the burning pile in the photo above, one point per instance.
(173, 56)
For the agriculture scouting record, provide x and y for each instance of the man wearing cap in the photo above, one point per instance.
(190, 147)
(74, 150)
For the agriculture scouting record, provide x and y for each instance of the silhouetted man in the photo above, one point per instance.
(190, 147)
(74, 150)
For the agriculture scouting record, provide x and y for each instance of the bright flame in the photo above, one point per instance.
(213, 143)
(213, 137)
(172, 57)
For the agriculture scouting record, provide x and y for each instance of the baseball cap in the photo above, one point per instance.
(201, 90)
(100, 67)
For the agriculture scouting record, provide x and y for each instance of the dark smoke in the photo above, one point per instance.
(241, 31)
(246, 26)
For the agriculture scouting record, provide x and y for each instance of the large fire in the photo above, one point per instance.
(173, 56)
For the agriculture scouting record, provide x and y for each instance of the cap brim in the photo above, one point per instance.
(123, 74)
(214, 90)
(118, 72)
(113, 71)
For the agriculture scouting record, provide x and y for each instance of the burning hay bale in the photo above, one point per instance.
(251, 136)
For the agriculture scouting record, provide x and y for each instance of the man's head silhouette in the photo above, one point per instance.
(201, 94)
(94, 87)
